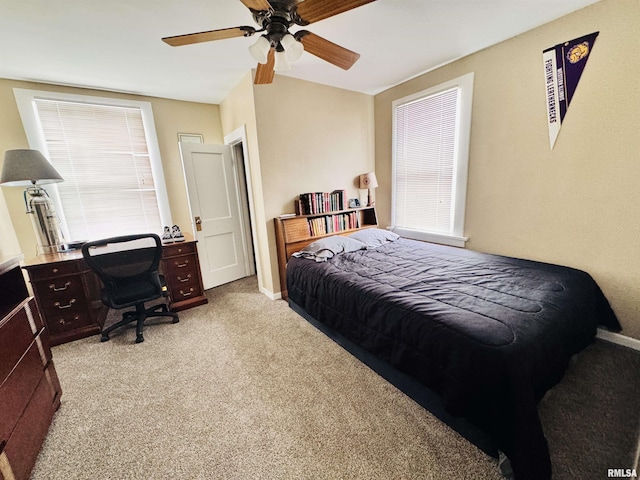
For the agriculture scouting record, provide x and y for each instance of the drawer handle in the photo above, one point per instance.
(186, 294)
(61, 307)
(180, 265)
(62, 321)
(59, 289)
(186, 279)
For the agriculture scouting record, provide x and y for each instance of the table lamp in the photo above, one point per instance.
(30, 168)
(369, 181)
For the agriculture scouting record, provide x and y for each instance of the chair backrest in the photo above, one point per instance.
(119, 261)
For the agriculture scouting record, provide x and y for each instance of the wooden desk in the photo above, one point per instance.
(69, 293)
(29, 387)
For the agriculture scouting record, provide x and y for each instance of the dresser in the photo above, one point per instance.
(29, 387)
(68, 292)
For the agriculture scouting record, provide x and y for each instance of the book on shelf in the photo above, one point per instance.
(321, 202)
(338, 222)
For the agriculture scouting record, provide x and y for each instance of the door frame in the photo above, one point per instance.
(239, 136)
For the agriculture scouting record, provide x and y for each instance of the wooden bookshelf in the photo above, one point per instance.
(294, 232)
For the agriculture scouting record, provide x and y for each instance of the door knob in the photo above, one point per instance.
(198, 224)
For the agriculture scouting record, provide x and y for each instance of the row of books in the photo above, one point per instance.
(321, 202)
(333, 223)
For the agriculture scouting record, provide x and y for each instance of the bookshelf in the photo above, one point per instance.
(294, 232)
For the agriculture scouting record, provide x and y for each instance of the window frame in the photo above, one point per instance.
(455, 237)
(35, 137)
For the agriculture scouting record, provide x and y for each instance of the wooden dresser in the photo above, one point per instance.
(68, 292)
(29, 387)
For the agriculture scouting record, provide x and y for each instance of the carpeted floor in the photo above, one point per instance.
(244, 388)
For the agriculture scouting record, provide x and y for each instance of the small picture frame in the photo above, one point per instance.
(354, 203)
(190, 138)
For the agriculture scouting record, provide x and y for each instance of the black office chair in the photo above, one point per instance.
(128, 267)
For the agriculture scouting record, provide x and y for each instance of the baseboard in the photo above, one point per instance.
(270, 294)
(618, 339)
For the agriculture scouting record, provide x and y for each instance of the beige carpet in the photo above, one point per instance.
(241, 388)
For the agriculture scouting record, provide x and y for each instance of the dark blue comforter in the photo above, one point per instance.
(490, 334)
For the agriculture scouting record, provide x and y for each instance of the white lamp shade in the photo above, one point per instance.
(260, 50)
(368, 180)
(293, 48)
(281, 62)
(27, 167)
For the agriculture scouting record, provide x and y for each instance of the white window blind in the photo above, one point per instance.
(425, 161)
(101, 152)
(431, 132)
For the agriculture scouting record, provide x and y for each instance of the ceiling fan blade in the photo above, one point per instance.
(265, 72)
(311, 11)
(257, 5)
(209, 36)
(326, 50)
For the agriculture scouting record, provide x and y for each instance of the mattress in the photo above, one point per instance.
(489, 334)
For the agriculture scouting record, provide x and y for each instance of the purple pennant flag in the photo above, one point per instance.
(563, 67)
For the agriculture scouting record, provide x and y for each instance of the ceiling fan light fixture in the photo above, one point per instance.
(292, 47)
(260, 49)
(281, 61)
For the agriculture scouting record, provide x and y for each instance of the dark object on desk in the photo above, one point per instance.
(128, 267)
(489, 334)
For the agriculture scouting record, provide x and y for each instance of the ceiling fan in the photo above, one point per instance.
(277, 48)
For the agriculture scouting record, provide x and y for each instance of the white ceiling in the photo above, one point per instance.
(115, 44)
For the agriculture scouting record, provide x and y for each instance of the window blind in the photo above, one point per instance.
(101, 152)
(425, 156)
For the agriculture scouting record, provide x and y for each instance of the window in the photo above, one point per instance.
(431, 131)
(106, 151)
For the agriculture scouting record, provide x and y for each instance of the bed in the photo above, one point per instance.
(489, 334)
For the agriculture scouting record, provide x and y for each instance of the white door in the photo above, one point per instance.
(212, 186)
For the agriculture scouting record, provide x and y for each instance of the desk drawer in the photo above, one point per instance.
(178, 249)
(185, 292)
(54, 270)
(60, 290)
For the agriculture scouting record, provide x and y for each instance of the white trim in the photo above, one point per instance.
(239, 135)
(270, 294)
(26, 107)
(461, 165)
(618, 339)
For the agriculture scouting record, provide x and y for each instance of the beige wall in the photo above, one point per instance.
(302, 137)
(312, 138)
(171, 117)
(577, 204)
(236, 111)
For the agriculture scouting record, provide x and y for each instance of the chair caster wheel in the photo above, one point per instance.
(139, 339)
(175, 320)
(104, 338)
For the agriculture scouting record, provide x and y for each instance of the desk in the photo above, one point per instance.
(69, 293)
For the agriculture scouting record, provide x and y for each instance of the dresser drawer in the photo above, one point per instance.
(26, 439)
(18, 388)
(17, 331)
